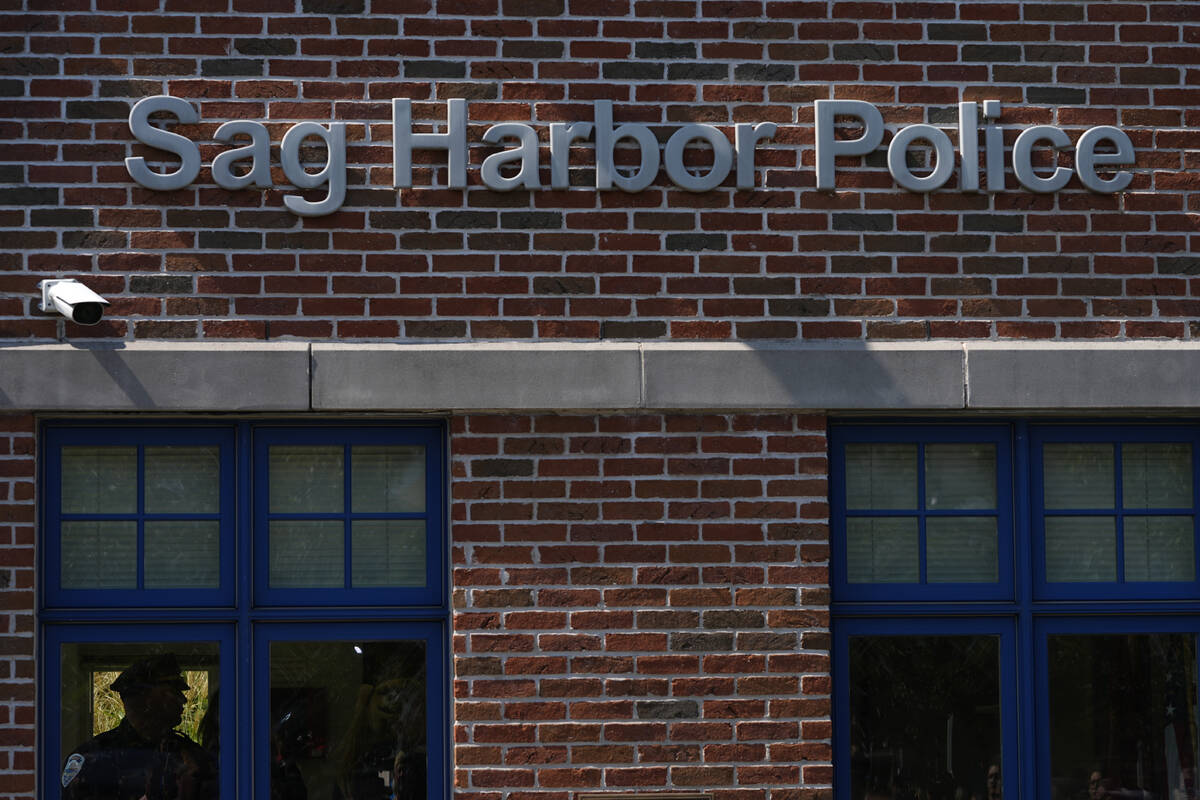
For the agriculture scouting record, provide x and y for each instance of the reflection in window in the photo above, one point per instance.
(1159, 549)
(388, 479)
(1081, 549)
(182, 554)
(388, 553)
(306, 479)
(961, 550)
(307, 553)
(183, 480)
(99, 554)
(348, 720)
(1078, 475)
(99, 480)
(1123, 715)
(925, 717)
(1156, 475)
(139, 718)
(881, 476)
(960, 476)
(882, 550)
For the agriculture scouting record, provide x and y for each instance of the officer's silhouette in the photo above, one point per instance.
(143, 758)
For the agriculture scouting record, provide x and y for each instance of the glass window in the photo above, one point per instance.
(348, 718)
(347, 516)
(169, 552)
(1116, 511)
(924, 715)
(918, 517)
(1122, 714)
(137, 709)
(1016, 594)
(881, 475)
(351, 710)
(139, 513)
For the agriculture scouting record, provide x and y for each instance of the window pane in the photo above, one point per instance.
(1159, 549)
(306, 479)
(924, 716)
(183, 480)
(182, 554)
(387, 479)
(1079, 475)
(881, 476)
(961, 550)
(388, 553)
(120, 704)
(307, 554)
(960, 476)
(348, 719)
(99, 480)
(1122, 715)
(1156, 475)
(882, 550)
(1081, 549)
(99, 555)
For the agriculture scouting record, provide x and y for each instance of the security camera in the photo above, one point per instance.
(73, 300)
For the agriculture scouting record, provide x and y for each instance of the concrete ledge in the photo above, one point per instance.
(894, 378)
(886, 377)
(487, 376)
(155, 376)
(1083, 375)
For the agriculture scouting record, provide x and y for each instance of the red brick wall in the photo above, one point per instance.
(640, 602)
(782, 261)
(17, 690)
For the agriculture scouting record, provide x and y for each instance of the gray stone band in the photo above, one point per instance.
(516, 376)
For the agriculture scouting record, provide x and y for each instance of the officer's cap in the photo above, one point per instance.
(150, 672)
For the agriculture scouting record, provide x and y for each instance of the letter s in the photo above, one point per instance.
(147, 134)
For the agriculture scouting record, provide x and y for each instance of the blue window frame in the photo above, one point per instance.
(1130, 500)
(914, 508)
(348, 515)
(1078, 620)
(120, 462)
(212, 542)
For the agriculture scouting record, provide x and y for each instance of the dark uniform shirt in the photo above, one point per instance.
(121, 765)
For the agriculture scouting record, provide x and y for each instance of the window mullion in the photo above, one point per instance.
(1194, 511)
(347, 522)
(921, 560)
(141, 517)
(1025, 666)
(1119, 508)
(242, 675)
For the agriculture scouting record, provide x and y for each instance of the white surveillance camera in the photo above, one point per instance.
(73, 300)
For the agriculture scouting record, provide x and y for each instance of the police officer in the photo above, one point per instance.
(143, 758)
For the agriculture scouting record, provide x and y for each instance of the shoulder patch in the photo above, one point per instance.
(74, 765)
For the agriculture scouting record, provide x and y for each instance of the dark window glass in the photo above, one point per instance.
(1123, 715)
(348, 720)
(925, 717)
